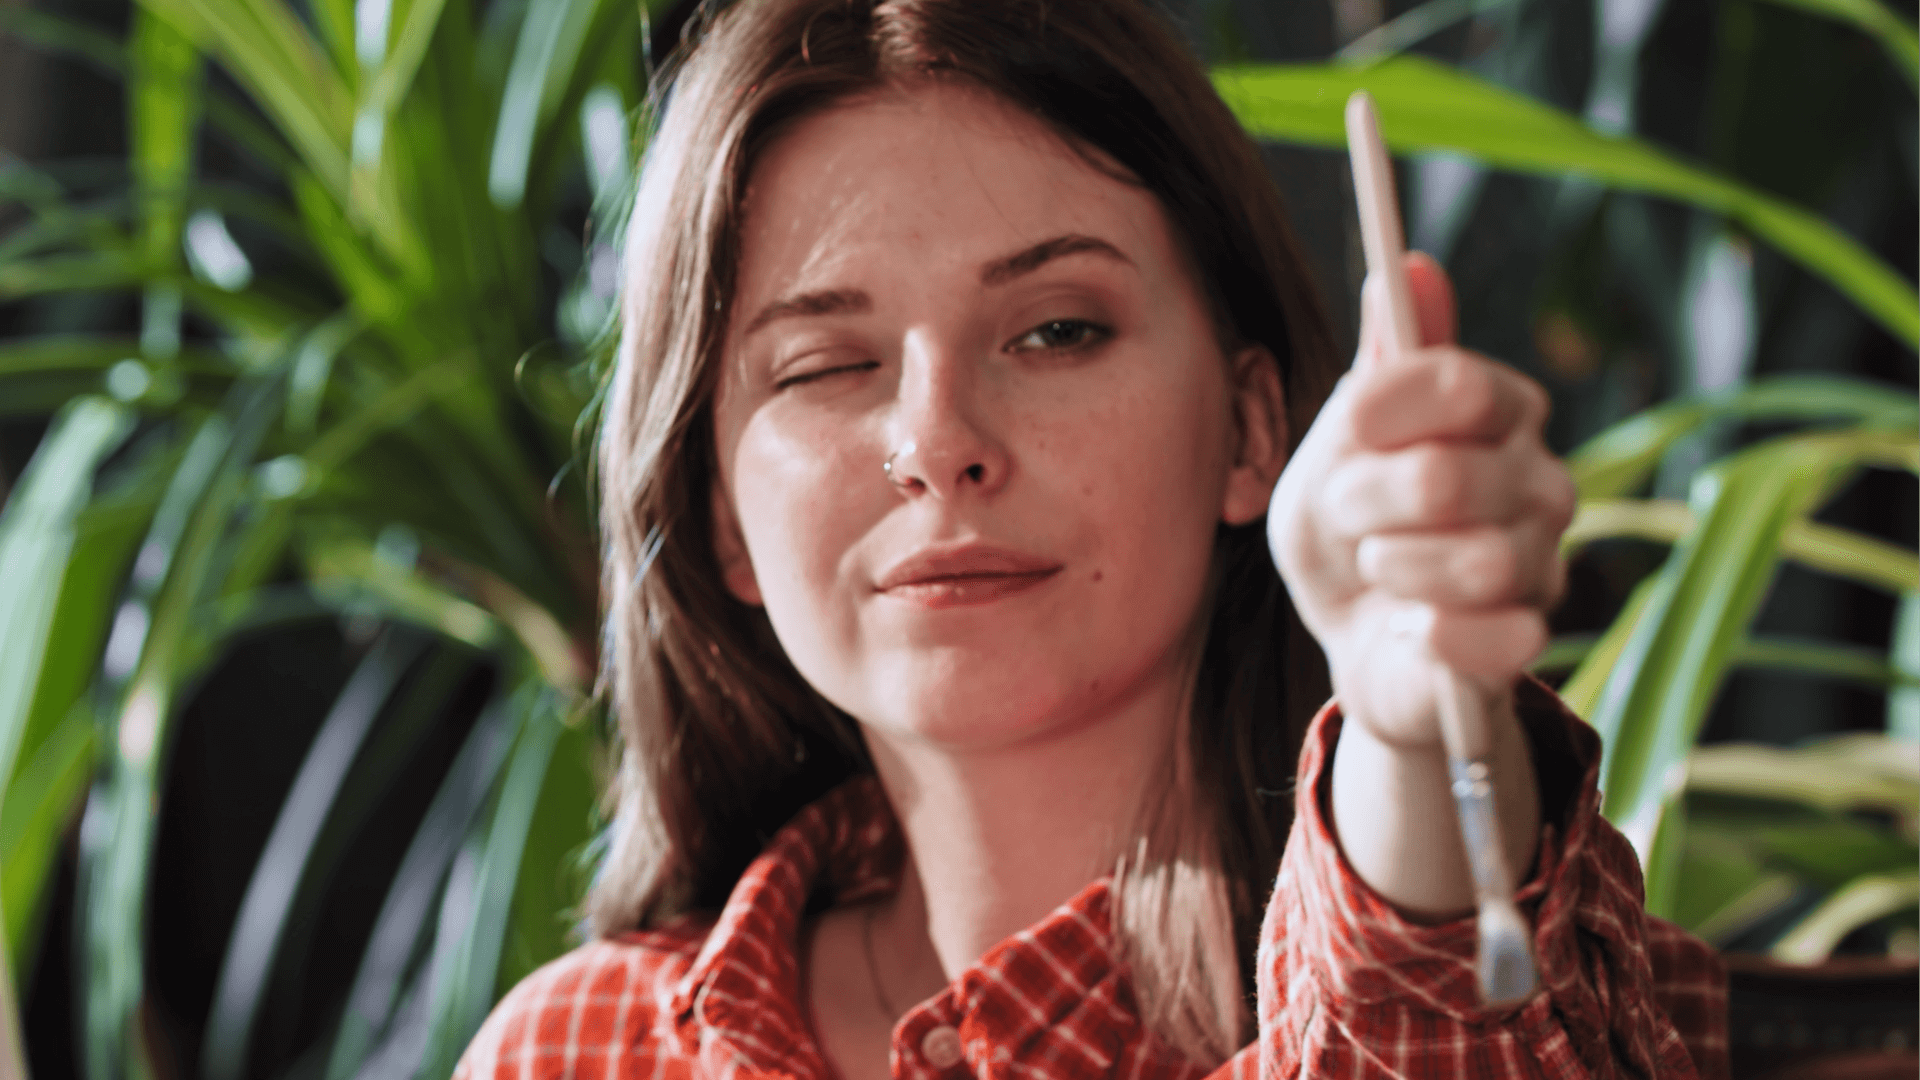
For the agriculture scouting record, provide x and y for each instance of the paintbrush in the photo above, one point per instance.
(1505, 960)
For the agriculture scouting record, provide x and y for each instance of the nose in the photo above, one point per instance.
(945, 439)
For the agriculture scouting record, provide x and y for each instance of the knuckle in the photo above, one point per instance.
(1555, 586)
(1537, 404)
(1529, 636)
(1493, 575)
(1370, 560)
(1561, 498)
(1441, 484)
(1341, 497)
(1466, 387)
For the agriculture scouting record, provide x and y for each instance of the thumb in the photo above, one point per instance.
(1432, 299)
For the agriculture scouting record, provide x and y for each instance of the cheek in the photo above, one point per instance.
(1141, 476)
(803, 506)
(1153, 462)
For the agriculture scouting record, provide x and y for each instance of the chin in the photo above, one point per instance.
(982, 703)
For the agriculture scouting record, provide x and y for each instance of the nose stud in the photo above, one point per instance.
(975, 472)
(892, 476)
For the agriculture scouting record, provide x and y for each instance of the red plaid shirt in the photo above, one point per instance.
(1346, 987)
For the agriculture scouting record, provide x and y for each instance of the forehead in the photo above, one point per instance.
(931, 177)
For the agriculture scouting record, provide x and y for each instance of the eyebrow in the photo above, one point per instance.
(1001, 271)
(825, 302)
(997, 272)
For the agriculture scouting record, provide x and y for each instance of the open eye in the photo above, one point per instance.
(1056, 335)
(804, 377)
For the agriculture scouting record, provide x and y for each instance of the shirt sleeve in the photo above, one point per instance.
(1349, 988)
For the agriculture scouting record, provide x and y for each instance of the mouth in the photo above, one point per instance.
(965, 576)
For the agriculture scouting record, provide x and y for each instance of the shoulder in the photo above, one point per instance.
(608, 998)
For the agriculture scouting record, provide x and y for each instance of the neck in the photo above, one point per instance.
(1002, 836)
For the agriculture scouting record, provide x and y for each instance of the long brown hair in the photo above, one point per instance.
(722, 740)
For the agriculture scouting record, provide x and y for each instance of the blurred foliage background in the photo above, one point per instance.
(301, 305)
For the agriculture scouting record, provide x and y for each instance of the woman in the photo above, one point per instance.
(964, 347)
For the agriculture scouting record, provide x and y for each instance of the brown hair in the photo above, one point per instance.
(723, 741)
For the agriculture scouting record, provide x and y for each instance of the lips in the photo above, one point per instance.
(963, 576)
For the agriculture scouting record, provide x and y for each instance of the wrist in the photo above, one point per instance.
(1392, 807)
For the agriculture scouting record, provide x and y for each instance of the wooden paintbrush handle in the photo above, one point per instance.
(1505, 962)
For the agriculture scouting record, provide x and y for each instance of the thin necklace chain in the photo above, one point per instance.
(873, 964)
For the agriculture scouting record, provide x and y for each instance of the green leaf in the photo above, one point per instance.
(93, 355)
(1664, 858)
(1619, 460)
(1842, 773)
(163, 114)
(268, 50)
(1852, 663)
(1903, 702)
(551, 878)
(61, 37)
(174, 580)
(265, 909)
(1698, 608)
(344, 439)
(378, 1019)
(474, 917)
(1901, 41)
(390, 77)
(1411, 27)
(1581, 691)
(53, 34)
(1834, 853)
(64, 230)
(347, 574)
(543, 63)
(37, 540)
(1425, 106)
(1862, 901)
(1725, 884)
(47, 782)
(1840, 552)
(72, 273)
(312, 365)
(40, 804)
(55, 582)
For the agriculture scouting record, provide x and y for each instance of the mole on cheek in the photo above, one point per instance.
(1099, 575)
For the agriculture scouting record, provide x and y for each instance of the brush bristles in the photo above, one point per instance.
(1506, 958)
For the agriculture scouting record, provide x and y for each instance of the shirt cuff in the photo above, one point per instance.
(1332, 948)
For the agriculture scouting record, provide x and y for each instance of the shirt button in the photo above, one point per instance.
(942, 1047)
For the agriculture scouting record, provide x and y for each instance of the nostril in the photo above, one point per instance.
(976, 472)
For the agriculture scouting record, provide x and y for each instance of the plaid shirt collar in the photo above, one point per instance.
(1053, 995)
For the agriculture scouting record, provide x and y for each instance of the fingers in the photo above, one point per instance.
(1472, 570)
(1432, 299)
(1489, 647)
(1444, 393)
(1433, 308)
(1438, 487)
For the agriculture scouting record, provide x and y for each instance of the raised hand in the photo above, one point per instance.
(1420, 520)
(1419, 524)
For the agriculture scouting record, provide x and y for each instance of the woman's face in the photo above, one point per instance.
(931, 278)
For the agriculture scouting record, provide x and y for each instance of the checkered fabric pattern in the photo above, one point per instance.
(1346, 987)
